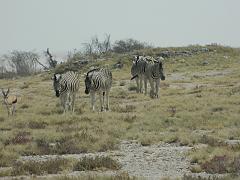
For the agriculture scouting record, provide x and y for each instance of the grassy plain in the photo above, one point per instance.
(198, 106)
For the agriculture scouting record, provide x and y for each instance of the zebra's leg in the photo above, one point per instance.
(141, 84)
(101, 100)
(137, 82)
(92, 94)
(64, 102)
(152, 88)
(69, 101)
(73, 102)
(157, 88)
(145, 85)
(107, 99)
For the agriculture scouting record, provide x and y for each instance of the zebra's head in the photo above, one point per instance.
(56, 83)
(88, 83)
(162, 76)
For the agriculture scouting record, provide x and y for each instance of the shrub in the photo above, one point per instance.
(122, 83)
(219, 164)
(124, 109)
(37, 125)
(132, 88)
(20, 138)
(51, 166)
(89, 163)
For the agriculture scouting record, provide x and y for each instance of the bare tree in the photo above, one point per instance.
(36, 60)
(88, 49)
(22, 62)
(51, 62)
(96, 47)
(106, 45)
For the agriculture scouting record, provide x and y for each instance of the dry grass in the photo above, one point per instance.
(96, 163)
(207, 114)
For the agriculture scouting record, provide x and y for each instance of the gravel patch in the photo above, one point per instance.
(145, 162)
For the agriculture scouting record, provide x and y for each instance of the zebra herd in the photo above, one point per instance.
(99, 80)
(147, 69)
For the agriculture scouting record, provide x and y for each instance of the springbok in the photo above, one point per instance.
(10, 102)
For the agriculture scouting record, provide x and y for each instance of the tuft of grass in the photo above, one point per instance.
(99, 162)
(21, 137)
(130, 118)
(37, 125)
(210, 140)
(2, 119)
(24, 106)
(7, 158)
(222, 164)
(124, 108)
(195, 168)
(132, 88)
(218, 164)
(25, 85)
(122, 83)
(51, 166)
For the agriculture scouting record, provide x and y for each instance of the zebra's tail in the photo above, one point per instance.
(134, 77)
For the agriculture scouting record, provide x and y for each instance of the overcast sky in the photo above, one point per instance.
(63, 25)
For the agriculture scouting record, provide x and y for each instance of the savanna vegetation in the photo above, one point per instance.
(198, 106)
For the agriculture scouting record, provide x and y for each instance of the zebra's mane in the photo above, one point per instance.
(95, 69)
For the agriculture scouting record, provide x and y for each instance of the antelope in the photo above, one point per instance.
(10, 102)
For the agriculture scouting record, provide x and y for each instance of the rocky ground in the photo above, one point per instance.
(146, 162)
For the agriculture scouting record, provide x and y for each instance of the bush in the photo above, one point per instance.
(128, 45)
(88, 163)
(51, 166)
(22, 137)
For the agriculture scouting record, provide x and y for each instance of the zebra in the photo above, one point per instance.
(153, 74)
(99, 81)
(10, 102)
(66, 87)
(138, 70)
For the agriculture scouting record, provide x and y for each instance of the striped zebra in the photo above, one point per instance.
(138, 70)
(99, 81)
(66, 87)
(153, 74)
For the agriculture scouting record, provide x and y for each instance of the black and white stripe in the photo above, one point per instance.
(137, 71)
(153, 74)
(99, 81)
(66, 87)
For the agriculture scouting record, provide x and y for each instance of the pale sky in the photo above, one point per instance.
(63, 25)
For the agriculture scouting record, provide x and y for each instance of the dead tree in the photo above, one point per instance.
(52, 62)
(36, 60)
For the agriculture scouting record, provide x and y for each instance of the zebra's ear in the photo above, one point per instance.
(54, 77)
(84, 75)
